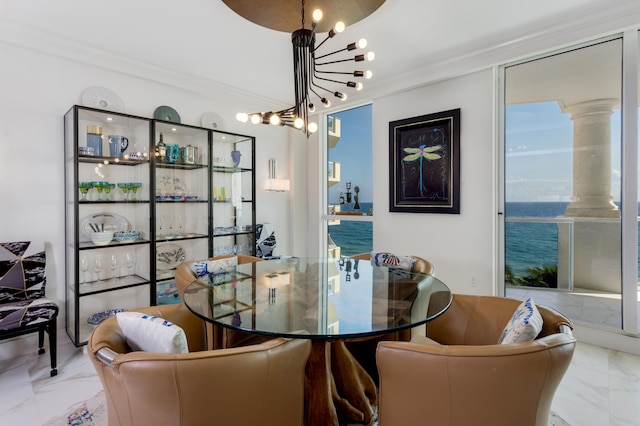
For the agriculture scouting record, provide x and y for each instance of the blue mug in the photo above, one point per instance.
(173, 153)
(117, 145)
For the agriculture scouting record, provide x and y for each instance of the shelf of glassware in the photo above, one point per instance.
(107, 185)
(233, 194)
(181, 201)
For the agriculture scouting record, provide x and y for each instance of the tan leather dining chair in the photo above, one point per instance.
(219, 337)
(463, 377)
(253, 385)
(365, 350)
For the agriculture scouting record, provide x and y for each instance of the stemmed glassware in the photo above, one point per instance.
(100, 185)
(134, 188)
(130, 262)
(124, 186)
(97, 268)
(84, 267)
(108, 187)
(114, 265)
(84, 188)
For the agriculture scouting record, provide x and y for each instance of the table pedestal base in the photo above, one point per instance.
(338, 390)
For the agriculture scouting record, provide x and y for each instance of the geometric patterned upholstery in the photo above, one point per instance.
(23, 307)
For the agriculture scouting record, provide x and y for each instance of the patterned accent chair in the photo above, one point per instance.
(23, 307)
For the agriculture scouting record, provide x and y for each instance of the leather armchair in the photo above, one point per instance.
(219, 337)
(463, 377)
(253, 385)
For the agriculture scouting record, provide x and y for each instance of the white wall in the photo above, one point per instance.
(36, 90)
(461, 247)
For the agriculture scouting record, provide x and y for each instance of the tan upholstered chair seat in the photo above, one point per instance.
(253, 385)
(466, 378)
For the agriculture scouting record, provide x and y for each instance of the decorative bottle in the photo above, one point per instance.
(161, 150)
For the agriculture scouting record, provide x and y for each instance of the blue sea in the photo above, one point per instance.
(527, 244)
(533, 244)
(353, 237)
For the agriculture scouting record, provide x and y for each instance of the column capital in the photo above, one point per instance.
(590, 107)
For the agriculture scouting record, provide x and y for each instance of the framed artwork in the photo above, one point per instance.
(424, 163)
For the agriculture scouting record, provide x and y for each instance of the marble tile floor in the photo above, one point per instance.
(601, 387)
(581, 305)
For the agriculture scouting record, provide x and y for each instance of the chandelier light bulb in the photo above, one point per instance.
(359, 86)
(256, 118)
(368, 74)
(274, 119)
(317, 15)
(242, 117)
(339, 27)
(312, 108)
(371, 56)
(362, 43)
(326, 102)
(312, 128)
(298, 123)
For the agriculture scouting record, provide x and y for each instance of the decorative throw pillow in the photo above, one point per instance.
(391, 260)
(147, 333)
(212, 271)
(524, 325)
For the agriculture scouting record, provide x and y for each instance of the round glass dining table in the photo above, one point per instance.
(326, 299)
(329, 301)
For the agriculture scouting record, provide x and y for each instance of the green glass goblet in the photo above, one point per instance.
(134, 189)
(124, 186)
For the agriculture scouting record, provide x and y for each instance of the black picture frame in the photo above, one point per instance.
(424, 163)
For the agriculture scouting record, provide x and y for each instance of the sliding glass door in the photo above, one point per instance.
(567, 179)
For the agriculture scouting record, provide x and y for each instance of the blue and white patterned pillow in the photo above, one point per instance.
(524, 325)
(214, 271)
(147, 333)
(391, 260)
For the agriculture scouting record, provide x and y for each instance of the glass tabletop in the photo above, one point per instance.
(317, 298)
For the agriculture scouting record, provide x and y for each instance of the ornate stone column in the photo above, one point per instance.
(592, 159)
(596, 229)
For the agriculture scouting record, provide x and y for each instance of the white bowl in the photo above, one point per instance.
(102, 238)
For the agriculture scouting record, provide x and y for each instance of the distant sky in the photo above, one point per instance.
(539, 153)
(354, 154)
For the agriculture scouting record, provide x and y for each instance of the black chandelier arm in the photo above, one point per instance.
(347, 83)
(357, 58)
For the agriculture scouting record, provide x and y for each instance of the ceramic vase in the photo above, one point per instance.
(235, 157)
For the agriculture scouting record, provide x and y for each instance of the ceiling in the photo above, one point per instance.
(206, 40)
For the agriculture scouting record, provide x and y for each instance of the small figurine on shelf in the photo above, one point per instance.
(161, 150)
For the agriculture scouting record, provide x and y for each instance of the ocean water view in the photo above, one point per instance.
(353, 237)
(526, 244)
(533, 244)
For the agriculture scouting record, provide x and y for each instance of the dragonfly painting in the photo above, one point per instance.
(425, 163)
(417, 154)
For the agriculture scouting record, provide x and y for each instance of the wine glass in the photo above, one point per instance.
(130, 262)
(114, 265)
(84, 267)
(97, 268)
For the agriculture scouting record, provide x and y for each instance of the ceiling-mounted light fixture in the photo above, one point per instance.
(311, 76)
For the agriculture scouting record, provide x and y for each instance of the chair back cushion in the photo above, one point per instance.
(22, 271)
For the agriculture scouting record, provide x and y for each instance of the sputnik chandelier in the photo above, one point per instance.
(311, 77)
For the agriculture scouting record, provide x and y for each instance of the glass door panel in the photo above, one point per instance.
(562, 186)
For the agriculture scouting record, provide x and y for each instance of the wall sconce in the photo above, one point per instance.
(273, 183)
